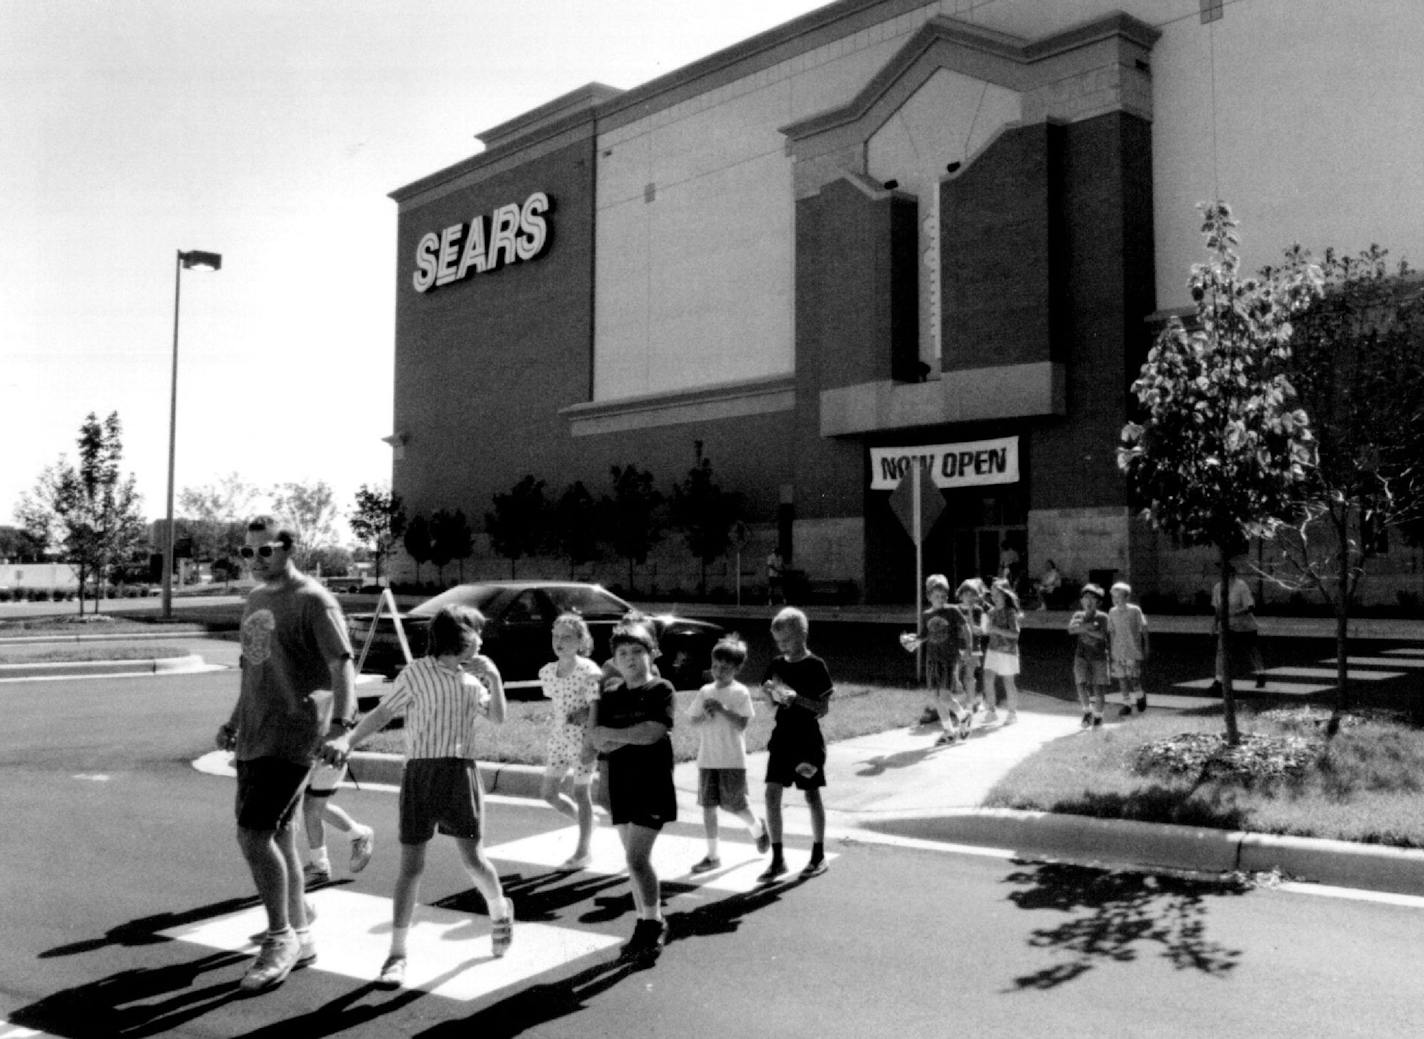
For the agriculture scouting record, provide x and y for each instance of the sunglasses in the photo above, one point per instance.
(265, 551)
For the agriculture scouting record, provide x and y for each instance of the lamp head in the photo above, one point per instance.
(197, 258)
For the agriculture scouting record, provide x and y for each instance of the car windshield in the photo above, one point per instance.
(477, 595)
(588, 601)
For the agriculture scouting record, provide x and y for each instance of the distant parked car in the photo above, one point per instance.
(519, 616)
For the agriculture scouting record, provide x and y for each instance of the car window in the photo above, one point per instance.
(480, 596)
(590, 602)
(523, 610)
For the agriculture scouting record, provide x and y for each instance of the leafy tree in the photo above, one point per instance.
(311, 508)
(95, 505)
(575, 526)
(1222, 448)
(1357, 365)
(35, 513)
(330, 560)
(417, 543)
(519, 524)
(705, 514)
(633, 516)
(215, 516)
(379, 521)
(19, 545)
(450, 539)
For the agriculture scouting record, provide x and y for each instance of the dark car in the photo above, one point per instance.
(519, 616)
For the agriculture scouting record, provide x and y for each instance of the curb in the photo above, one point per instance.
(1074, 838)
(79, 668)
(1115, 842)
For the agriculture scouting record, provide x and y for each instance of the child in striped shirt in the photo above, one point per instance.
(442, 694)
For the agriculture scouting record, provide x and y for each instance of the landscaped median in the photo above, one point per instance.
(49, 661)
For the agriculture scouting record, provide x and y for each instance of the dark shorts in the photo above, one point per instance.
(268, 790)
(726, 787)
(1090, 672)
(639, 795)
(443, 793)
(796, 762)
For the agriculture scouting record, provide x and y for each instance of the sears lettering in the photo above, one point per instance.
(512, 233)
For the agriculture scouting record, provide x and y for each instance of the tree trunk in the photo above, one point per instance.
(1223, 650)
(1342, 631)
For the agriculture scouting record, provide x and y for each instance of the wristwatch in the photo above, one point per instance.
(346, 724)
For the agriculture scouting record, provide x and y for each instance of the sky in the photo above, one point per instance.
(271, 132)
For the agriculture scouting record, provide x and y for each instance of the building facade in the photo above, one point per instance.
(887, 234)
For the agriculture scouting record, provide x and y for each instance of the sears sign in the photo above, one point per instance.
(511, 234)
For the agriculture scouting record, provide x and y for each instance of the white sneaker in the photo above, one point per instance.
(275, 960)
(362, 845)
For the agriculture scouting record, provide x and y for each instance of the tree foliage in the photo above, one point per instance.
(633, 515)
(1357, 364)
(1222, 447)
(95, 507)
(518, 526)
(416, 542)
(705, 514)
(378, 521)
(450, 539)
(311, 509)
(19, 545)
(575, 532)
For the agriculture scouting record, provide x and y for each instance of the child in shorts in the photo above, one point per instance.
(721, 711)
(442, 695)
(943, 642)
(318, 809)
(1089, 628)
(1127, 648)
(571, 682)
(632, 725)
(798, 682)
(1001, 659)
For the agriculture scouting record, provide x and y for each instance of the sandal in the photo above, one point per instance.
(502, 931)
(392, 973)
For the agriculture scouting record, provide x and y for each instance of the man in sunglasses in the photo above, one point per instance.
(297, 692)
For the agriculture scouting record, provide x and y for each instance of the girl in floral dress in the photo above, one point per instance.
(572, 682)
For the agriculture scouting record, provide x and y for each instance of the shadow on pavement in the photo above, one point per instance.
(1117, 916)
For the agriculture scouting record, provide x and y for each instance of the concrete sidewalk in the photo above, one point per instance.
(899, 786)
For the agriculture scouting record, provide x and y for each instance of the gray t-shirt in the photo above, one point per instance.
(290, 631)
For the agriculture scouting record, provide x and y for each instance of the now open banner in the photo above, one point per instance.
(970, 464)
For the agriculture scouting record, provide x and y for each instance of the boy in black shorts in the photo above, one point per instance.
(799, 684)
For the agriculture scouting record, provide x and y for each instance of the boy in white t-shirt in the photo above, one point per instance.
(721, 711)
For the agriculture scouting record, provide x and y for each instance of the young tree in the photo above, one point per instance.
(575, 526)
(519, 524)
(705, 514)
(378, 521)
(1222, 446)
(1357, 365)
(633, 515)
(19, 545)
(450, 539)
(311, 508)
(96, 506)
(417, 543)
(215, 517)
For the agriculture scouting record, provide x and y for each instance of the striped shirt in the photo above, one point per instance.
(440, 708)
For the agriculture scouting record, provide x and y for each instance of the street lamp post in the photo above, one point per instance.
(210, 261)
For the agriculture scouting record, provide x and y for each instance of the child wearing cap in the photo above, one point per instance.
(942, 640)
(1002, 656)
(1089, 628)
(1127, 648)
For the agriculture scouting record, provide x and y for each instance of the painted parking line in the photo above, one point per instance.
(449, 950)
(673, 856)
(1408, 651)
(9, 1031)
(1377, 662)
(1278, 688)
(1329, 673)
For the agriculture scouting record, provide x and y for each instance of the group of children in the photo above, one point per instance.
(979, 636)
(613, 722)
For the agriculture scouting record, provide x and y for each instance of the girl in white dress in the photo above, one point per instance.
(572, 683)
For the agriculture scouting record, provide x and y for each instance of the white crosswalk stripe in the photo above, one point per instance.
(450, 951)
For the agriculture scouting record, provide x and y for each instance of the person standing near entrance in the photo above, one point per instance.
(1241, 622)
(775, 577)
(297, 688)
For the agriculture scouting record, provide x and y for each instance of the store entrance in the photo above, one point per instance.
(982, 532)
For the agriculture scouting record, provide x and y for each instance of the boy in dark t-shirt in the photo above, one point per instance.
(799, 684)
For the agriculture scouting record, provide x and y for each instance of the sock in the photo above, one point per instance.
(776, 851)
(754, 828)
(818, 852)
(320, 859)
(498, 908)
(285, 932)
(398, 938)
(711, 847)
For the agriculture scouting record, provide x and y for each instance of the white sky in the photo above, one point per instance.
(269, 131)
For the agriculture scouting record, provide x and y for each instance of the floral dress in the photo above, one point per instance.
(579, 688)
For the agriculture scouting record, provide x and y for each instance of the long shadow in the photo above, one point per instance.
(540, 897)
(882, 763)
(145, 930)
(545, 1002)
(1117, 916)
